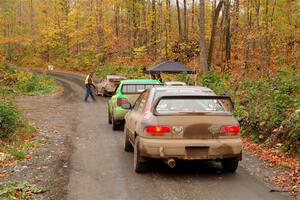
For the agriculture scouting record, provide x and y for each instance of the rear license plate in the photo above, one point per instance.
(196, 152)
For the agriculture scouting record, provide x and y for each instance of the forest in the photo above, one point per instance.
(255, 37)
(246, 49)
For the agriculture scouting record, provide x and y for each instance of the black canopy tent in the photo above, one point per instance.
(170, 67)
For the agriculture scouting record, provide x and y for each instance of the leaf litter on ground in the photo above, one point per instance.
(288, 177)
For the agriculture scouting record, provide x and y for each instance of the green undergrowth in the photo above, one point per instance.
(267, 107)
(10, 118)
(20, 191)
(15, 81)
(15, 131)
(16, 142)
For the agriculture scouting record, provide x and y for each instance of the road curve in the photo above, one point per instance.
(100, 169)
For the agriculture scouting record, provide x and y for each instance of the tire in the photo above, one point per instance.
(139, 164)
(104, 93)
(127, 145)
(229, 165)
(109, 118)
(115, 126)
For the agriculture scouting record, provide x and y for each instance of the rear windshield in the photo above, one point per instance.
(136, 88)
(187, 105)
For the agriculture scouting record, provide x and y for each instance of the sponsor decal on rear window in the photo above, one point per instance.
(187, 105)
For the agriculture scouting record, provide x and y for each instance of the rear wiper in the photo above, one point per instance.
(197, 113)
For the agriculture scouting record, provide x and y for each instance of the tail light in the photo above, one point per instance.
(121, 100)
(157, 130)
(230, 130)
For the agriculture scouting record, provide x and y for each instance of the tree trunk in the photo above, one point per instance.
(222, 39)
(135, 26)
(144, 16)
(236, 14)
(227, 32)
(66, 10)
(213, 32)
(167, 27)
(203, 61)
(185, 26)
(129, 32)
(160, 32)
(168, 2)
(20, 13)
(245, 35)
(153, 25)
(261, 55)
(267, 37)
(295, 33)
(179, 20)
(117, 19)
(31, 16)
(193, 15)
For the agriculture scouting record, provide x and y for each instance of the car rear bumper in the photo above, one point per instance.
(119, 114)
(191, 149)
(108, 93)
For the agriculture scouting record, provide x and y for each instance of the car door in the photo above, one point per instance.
(113, 99)
(130, 117)
(138, 112)
(135, 115)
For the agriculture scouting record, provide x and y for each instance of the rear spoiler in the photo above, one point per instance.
(196, 97)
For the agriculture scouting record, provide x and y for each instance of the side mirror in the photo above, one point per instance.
(126, 105)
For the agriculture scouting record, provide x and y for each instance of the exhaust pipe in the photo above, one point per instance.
(171, 162)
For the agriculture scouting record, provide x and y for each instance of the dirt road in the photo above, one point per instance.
(100, 169)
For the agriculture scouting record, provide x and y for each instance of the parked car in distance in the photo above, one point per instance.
(108, 85)
(175, 83)
(128, 91)
(187, 123)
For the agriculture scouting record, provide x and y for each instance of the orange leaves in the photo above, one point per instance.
(18, 39)
(289, 177)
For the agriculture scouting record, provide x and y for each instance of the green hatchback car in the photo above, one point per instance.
(128, 91)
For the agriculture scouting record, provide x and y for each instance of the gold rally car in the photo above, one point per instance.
(187, 123)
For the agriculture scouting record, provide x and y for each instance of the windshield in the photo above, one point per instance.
(192, 105)
(136, 88)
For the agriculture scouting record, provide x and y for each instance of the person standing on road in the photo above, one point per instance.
(89, 83)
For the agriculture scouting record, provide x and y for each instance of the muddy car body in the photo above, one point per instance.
(201, 127)
(108, 85)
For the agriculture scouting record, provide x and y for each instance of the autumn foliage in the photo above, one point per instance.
(256, 37)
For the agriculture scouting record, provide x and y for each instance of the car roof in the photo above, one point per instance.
(183, 90)
(140, 81)
(174, 82)
(115, 76)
